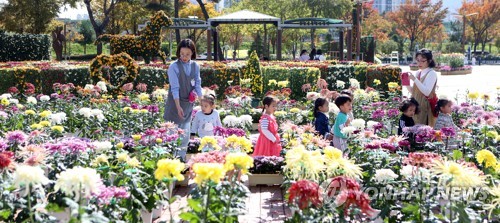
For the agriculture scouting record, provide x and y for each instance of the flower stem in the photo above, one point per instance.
(207, 202)
(29, 204)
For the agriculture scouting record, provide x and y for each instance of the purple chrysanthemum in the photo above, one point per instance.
(16, 137)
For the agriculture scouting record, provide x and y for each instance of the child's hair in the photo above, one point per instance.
(268, 100)
(347, 92)
(319, 102)
(209, 98)
(342, 99)
(441, 103)
(407, 104)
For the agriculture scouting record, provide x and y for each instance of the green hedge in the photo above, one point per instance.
(219, 74)
(22, 47)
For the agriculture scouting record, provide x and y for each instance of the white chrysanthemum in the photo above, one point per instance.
(230, 121)
(97, 113)
(25, 175)
(102, 86)
(360, 94)
(245, 120)
(333, 108)
(78, 180)
(160, 92)
(245, 100)
(207, 91)
(102, 146)
(358, 123)
(86, 112)
(31, 100)
(6, 95)
(14, 101)
(312, 96)
(384, 175)
(89, 87)
(340, 84)
(348, 130)
(44, 98)
(410, 172)
(354, 83)
(234, 100)
(370, 124)
(57, 118)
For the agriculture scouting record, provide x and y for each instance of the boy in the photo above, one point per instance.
(344, 103)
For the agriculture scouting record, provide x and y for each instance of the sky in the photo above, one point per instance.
(72, 13)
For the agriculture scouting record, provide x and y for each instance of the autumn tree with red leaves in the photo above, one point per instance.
(415, 18)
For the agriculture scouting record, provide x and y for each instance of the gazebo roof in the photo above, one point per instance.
(244, 17)
(316, 21)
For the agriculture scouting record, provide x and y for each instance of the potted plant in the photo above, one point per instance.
(266, 170)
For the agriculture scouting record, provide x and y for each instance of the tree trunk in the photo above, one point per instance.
(266, 45)
(203, 9)
(176, 15)
(85, 48)
(312, 38)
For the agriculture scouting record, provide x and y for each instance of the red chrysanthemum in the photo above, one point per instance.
(357, 197)
(341, 183)
(5, 159)
(304, 192)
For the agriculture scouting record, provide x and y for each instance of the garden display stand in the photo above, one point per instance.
(265, 179)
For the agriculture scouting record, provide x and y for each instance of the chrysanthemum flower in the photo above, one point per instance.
(486, 157)
(208, 172)
(455, 174)
(240, 161)
(26, 175)
(305, 193)
(169, 168)
(78, 180)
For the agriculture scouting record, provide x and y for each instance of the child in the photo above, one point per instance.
(349, 93)
(268, 143)
(409, 107)
(342, 120)
(207, 119)
(321, 123)
(444, 119)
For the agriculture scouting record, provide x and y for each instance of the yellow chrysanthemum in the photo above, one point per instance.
(5, 101)
(29, 112)
(239, 143)
(454, 174)
(295, 110)
(282, 84)
(280, 113)
(240, 161)
(57, 128)
(122, 157)
(332, 153)
(304, 164)
(208, 171)
(127, 109)
(486, 157)
(100, 159)
(376, 82)
(137, 137)
(492, 134)
(209, 142)
(45, 114)
(133, 162)
(272, 82)
(143, 97)
(45, 123)
(120, 145)
(169, 168)
(473, 95)
(36, 126)
(392, 85)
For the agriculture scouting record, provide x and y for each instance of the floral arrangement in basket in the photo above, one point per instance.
(267, 164)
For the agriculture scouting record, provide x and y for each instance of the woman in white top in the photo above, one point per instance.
(424, 87)
(319, 56)
(304, 56)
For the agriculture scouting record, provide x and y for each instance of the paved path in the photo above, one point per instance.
(483, 79)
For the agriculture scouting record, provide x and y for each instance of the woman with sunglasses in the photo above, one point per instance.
(185, 86)
(424, 88)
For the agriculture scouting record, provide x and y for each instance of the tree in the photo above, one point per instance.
(100, 14)
(195, 10)
(127, 16)
(257, 46)
(376, 25)
(417, 17)
(31, 16)
(88, 34)
(488, 15)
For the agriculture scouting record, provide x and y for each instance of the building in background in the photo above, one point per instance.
(384, 6)
(229, 3)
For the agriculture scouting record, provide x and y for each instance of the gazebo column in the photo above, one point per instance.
(216, 41)
(341, 44)
(349, 44)
(278, 44)
(209, 44)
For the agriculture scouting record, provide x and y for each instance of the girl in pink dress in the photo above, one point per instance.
(268, 143)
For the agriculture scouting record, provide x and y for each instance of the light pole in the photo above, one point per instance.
(464, 20)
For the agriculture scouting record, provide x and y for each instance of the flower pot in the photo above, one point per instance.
(265, 179)
(147, 216)
(156, 213)
(61, 216)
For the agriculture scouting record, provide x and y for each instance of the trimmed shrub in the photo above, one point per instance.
(22, 47)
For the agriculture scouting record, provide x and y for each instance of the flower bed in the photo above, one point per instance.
(43, 74)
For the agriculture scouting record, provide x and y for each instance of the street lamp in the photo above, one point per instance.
(464, 19)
